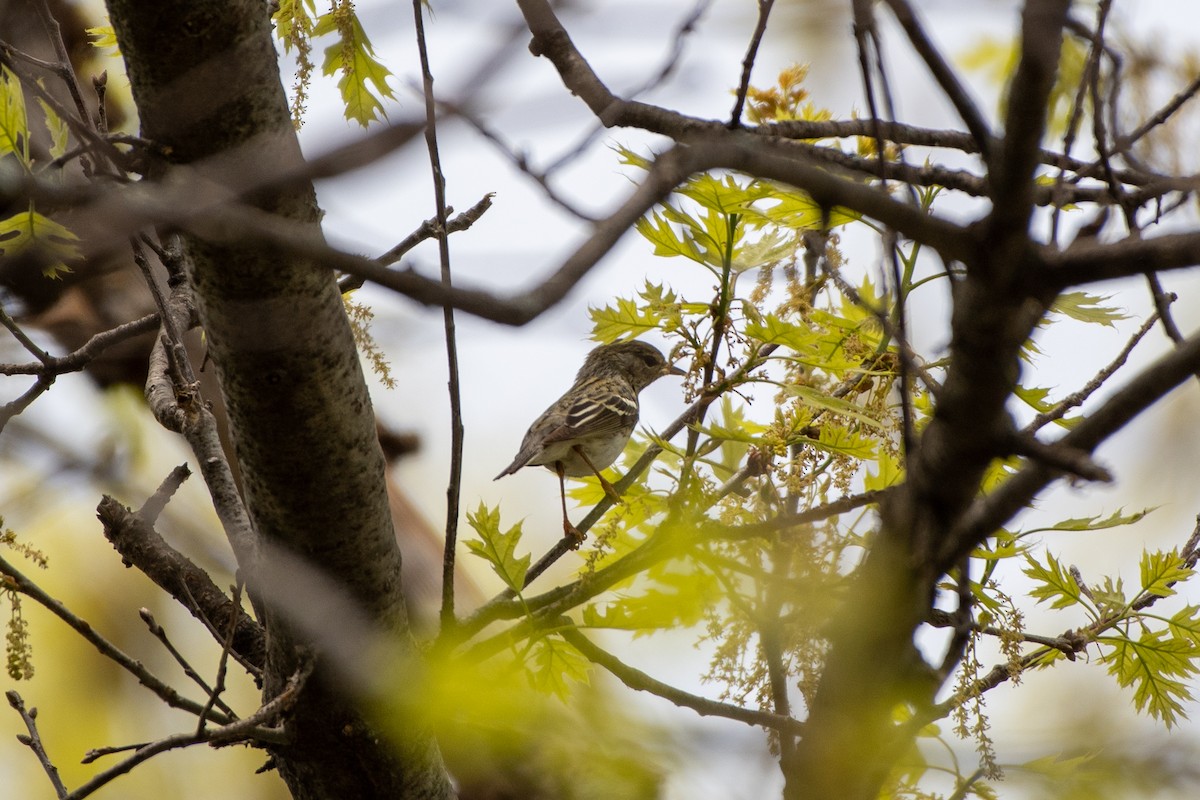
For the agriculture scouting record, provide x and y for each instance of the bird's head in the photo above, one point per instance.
(641, 363)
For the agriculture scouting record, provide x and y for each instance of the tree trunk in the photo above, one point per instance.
(206, 82)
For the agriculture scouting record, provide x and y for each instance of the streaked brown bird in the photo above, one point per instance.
(587, 428)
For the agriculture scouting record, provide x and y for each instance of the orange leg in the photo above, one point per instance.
(569, 530)
(608, 487)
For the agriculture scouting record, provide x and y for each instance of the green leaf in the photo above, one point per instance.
(29, 229)
(816, 399)
(768, 249)
(667, 242)
(630, 158)
(724, 195)
(796, 210)
(1035, 397)
(14, 125)
(1185, 624)
(800, 339)
(498, 548)
(1161, 570)
(58, 129)
(294, 21)
(557, 666)
(104, 37)
(677, 600)
(1086, 308)
(1154, 665)
(625, 320)
(1097, 523)
(888, 472)
(842, 441)
(1006, 545)
(1055, 583)
(363, 81)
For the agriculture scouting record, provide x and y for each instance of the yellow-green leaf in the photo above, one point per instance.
(498, 548)
(889, 472)
(363, 81)
(1087, 308)
(57, 127)
(103, 38)
(625, 320)
(29, 229)
(837, 405)
(1055, 584)
(1155, 665)
(14, 126)
(557, 666)
(1160, 571)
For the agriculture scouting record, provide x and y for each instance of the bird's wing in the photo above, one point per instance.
(595, 413)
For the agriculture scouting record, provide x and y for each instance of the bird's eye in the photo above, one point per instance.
(649, 360)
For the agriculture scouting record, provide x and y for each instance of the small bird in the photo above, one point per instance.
(587, 428)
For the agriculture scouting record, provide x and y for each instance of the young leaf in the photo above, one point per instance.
(498, 548)
(842, 441)
(724, 195)
(1154, 665)
(837, 405)
(103, 38)
(802, 340)
(1055, 583)
(676, 601)
(556, 666)
(363, 81)
(29, 229)
(1086, 308)
(14, 126)
(294, 22)
(1160, 571)
(626, 320)
(57, 127)
(889, 472)
(667, 242)
(1096, 523)
(1185, 624)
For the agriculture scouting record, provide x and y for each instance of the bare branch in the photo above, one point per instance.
(34, 741)
(141, 546)
(167, 694)
(640, 681)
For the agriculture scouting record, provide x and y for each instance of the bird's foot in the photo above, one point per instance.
(610, 490)
(572, 535)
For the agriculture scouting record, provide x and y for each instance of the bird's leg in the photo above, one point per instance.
(569, 530)
(608, 487)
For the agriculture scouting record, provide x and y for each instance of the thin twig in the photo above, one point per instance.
(214, 696)
(1077, 398)
(760, 28)
(454, 485)
(160, 633)
(78, 359)
(253, 729)
(141, 546)
(18, 581)
(34, 741)
(955, 92)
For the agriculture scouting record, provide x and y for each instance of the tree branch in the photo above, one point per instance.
(640, 681)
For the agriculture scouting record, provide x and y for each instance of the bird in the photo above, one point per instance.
(586, 429)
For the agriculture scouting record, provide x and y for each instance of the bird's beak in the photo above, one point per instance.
(671, 369)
